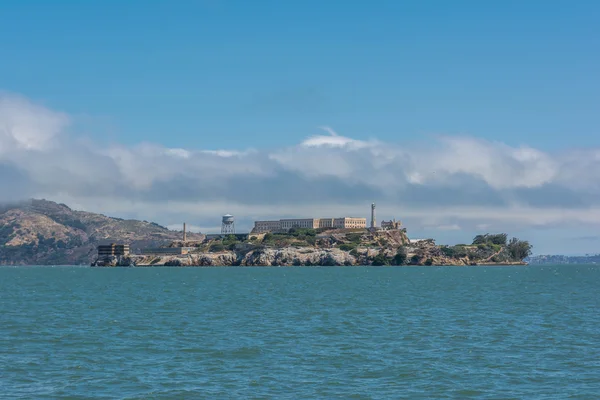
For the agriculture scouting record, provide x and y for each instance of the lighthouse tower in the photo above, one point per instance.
(373, 221)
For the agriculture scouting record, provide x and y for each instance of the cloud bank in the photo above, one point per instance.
(445, 183)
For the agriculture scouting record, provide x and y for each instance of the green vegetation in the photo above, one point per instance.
(230, 241)
(6, 233)
(497, 239)
(519, 249)
(216, 247)
(302, 232)
(415, 259)
(400, 257)
(354, 237)
(499, 249)
(380, 259)
(348, 246)
(454, 251)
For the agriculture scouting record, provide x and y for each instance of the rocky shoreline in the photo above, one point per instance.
(275, 258)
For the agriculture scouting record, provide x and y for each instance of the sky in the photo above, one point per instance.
(458, 118)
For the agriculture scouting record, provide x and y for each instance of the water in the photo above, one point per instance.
(299, 333)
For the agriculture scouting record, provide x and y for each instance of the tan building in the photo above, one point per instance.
(349, 223)
(284, 225)
(266, 226)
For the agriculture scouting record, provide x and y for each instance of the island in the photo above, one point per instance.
(42, 232)
(326, 247)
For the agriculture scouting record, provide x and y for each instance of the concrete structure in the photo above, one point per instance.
(167, 251)
(284, 225)
(113, 249)
(227, 224)
(184, 233)
(373, 221)
(391, 225)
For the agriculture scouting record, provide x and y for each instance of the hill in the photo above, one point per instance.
(40, 232)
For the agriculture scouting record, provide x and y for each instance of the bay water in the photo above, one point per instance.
(300, 333)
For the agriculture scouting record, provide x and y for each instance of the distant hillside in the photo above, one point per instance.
(560, 259)
(44, 232)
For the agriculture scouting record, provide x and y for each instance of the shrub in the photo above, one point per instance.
(347, 246)
(400, 257)
(302, 232)
(448, 251)
(354, 237)
(457, 251)
(416, 259)
(217, 247)
(380, 259)
(429, 261)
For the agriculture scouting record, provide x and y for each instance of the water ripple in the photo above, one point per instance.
(289, 333)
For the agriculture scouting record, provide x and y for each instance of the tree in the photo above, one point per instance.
(519, 249)
(400, 257)
(497, 239)
(480, 239)
(380, 259)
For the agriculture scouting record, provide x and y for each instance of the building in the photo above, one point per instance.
(113, 249)
(391, 225)
(266, 226)
(284, 225)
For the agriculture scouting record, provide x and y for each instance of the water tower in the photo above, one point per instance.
(228, 224)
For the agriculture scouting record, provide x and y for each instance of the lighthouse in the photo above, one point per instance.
(373, 221)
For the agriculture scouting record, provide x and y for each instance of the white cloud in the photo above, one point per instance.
(447, 183)
(27, 126)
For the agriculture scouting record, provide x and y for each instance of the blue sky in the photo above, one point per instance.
(239, 73)
(264, 75)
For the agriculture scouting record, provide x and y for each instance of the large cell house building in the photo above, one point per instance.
(284, 225)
